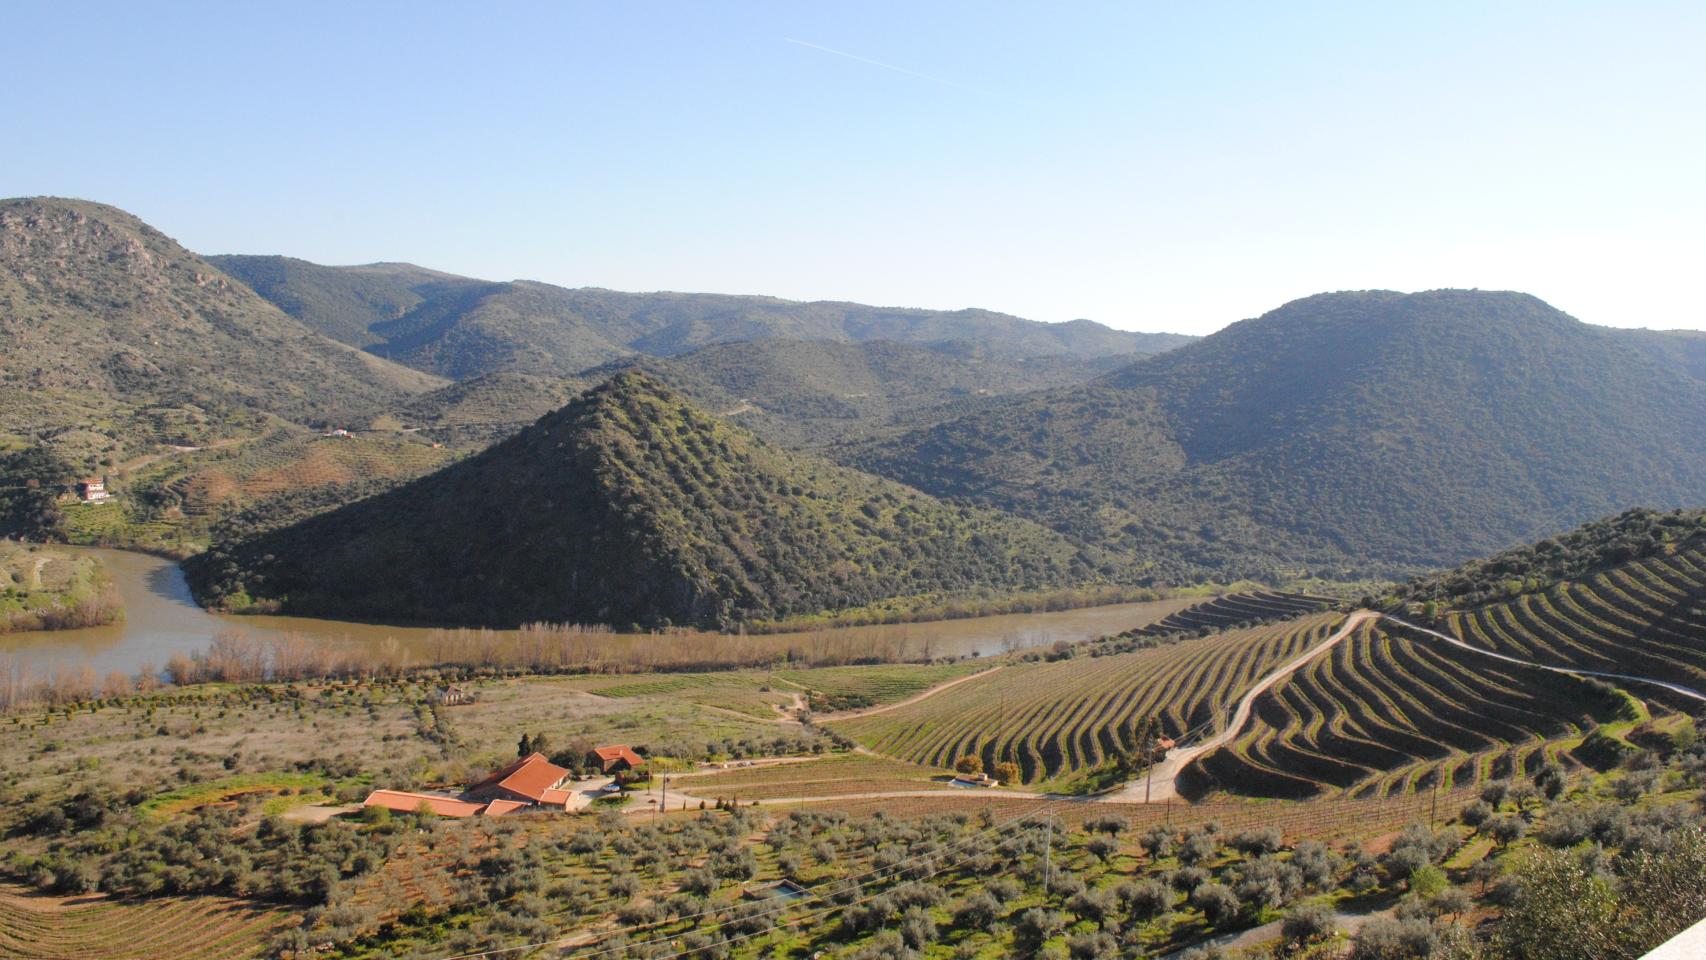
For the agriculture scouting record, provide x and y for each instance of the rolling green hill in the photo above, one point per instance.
(629, 506)
(461, 328)
(119, 340)
(1347, 433)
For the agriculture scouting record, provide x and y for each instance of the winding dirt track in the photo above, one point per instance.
(1163, 782)
(1483, 651)
(909, 701)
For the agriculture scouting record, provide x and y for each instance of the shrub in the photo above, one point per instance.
(1197, 847)
(1145, 899)
(1092, 946)
(969, 764)
(1261, 840)
(1318, 865)
(1506, 830)
(917, 930)
(1035, 927)
(1157, 842)
(1092, 905)
(977, 912)
(1218, 903)
(1382, 938)
(1427, 881)
(1310, 923)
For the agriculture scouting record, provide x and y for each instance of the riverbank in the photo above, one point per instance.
(49, 587)
(163, 622)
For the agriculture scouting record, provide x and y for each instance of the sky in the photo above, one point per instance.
(1150, 166)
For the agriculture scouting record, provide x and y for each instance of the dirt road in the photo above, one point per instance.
(909, 701)
(1483, 651)
(1163, 782)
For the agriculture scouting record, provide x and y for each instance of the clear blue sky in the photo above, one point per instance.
(1152, 166)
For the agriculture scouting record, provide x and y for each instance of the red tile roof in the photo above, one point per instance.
(612, 754)
(556, 798)
(405, 802)
(529, 777)
(498, 808)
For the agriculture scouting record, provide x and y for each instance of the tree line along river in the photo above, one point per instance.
(161, 620)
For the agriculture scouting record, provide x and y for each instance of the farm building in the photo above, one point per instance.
(451, 696)
(93, 490)
(401, 801)
(532, 780)
(614, 759)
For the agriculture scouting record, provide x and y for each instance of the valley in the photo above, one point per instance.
(498, 618)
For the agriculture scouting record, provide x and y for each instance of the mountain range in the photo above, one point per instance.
(458, 327)
(1343, 436)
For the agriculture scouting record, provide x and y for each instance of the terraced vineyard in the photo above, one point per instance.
(1383, 713)
(1235, 610)
(1054, 719)
(194, 928)
(1646, 618)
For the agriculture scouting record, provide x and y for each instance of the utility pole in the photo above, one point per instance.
(1048, 854)
(665, 804)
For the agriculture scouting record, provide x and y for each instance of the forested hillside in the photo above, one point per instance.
(342, 302)
(629, 506)
(1351, 432)
(810, 393)
(1588, 549)
(459, 328)
(118, 339)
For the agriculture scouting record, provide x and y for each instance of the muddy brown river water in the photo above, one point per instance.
(161, 620)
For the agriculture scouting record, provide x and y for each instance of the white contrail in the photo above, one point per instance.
(879, 63)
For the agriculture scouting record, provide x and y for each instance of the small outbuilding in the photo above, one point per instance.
(615, 759)
(452, 696)
(93, 490)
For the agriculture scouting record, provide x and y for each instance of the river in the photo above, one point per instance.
(161, 620)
